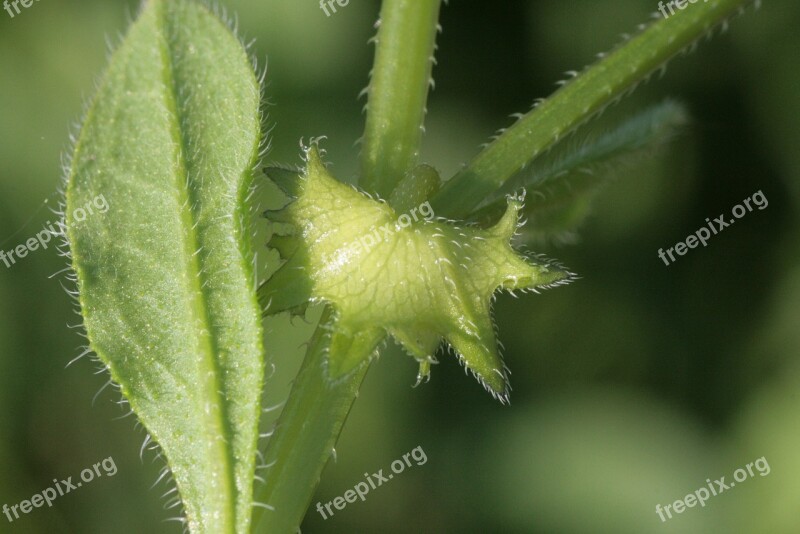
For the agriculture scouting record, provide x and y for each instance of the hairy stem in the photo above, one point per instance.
(398, 92)
(577, 101)
(317, 409)
(304, 437)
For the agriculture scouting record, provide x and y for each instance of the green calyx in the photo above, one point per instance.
(408, 274)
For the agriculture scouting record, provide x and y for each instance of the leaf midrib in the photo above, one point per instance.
(188, 200)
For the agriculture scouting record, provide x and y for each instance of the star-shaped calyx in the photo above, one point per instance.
(408, 274)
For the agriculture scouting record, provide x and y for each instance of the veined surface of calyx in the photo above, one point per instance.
(405, 273)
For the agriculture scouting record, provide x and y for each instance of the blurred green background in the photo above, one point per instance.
(631, 387)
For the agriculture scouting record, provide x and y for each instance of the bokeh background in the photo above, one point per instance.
(631, 387)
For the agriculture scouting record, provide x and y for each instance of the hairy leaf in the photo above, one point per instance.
(165, 273)
(561, 187)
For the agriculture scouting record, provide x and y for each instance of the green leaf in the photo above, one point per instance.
(410, 275)
(165, 275)
(561, 187)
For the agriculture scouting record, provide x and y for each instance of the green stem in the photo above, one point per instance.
(577, 101)
(304, 437)
(316, 410)
(398, 92)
